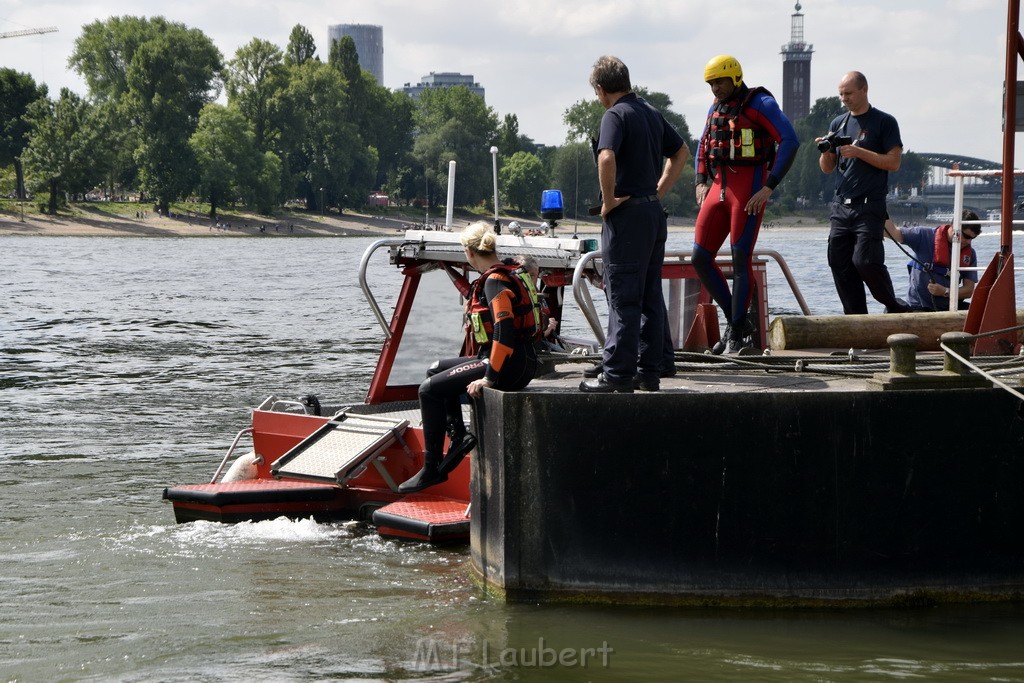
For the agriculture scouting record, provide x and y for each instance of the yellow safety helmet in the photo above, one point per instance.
(723, 66)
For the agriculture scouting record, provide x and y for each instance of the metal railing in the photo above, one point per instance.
(958, 209)
(234, 444)
(581, 290)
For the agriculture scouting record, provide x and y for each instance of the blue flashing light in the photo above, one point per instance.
(551, 207)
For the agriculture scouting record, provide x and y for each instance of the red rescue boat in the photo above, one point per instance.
(310, 459)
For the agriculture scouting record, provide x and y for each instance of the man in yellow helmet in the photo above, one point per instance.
(745, 151)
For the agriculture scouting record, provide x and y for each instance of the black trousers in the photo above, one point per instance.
(633, 250)
(441, 392)
(856, 255)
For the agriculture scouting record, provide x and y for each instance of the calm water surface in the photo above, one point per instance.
(127, 365)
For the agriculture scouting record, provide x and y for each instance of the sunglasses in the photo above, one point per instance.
(967, 236)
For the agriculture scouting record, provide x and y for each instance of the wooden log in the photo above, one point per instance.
(862, 331)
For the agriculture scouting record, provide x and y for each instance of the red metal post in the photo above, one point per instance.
(994, 304)
(1014, 51)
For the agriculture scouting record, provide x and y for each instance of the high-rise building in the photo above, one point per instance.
(443, 80)
(369, 40)
(796, 71)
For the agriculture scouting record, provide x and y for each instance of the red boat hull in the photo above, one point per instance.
(439, 517)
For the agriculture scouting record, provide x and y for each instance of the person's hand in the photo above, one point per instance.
(700, 192)
(850, 152)
(935, 289)
(476, 387)
(760, 199)
(607, 206)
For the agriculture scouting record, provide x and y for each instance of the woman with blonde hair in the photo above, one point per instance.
(501, 321)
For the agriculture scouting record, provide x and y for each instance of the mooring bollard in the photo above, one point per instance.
(959, 343)
(902, 354)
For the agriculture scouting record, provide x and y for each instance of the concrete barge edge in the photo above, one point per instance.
(849, 497)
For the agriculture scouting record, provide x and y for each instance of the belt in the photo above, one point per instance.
(854, 201)
(640, 200)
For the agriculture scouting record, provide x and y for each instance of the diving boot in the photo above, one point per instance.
(426, 477)
(741, 337)
(458, 448)
(720, 346)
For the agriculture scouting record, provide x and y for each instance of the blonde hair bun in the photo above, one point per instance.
(479, 237)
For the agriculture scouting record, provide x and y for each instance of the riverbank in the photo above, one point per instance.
(93, 223)
(97, 224)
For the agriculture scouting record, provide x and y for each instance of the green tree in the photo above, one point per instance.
(301, 46)
(911, 174)
(509, 140)
(572, 170)
(523, 178)
(263, 191)
(391, 130)
(17, 92)
(103, 55)
(455, 124)
(66, 139)
(322, 145)
(105, 50)
(171, 78)
(160, 74)
(254, 80)
(583, 119)
(225, 150)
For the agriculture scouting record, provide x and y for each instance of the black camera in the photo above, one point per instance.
(832, 141)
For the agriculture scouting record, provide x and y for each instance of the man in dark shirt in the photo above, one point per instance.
(632, 148)
(856, 252)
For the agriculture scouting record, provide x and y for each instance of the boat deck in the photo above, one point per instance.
(782, 371)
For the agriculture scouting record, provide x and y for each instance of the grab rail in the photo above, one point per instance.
(374, 306)
(238, 437)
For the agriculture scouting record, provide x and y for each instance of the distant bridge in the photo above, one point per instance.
(946, 161)
(940, 163)
(980, 193)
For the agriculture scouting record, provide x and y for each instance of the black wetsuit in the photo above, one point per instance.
(508, 360)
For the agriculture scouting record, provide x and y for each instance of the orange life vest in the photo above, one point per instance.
(525, 306)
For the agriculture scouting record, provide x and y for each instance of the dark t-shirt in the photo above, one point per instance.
(874, 130)
(641, 140)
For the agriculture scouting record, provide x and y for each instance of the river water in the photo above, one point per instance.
(128, 364)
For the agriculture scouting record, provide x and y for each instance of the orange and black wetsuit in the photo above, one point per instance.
(503, 323)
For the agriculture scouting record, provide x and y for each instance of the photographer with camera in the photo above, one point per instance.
(864, 145)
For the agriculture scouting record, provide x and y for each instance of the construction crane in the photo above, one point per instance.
(28, 32)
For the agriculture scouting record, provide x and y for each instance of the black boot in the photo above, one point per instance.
(741, 337)
(722, 343)
(426, 477)
(458, 449)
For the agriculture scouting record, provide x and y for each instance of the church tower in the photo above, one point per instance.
(796, 71)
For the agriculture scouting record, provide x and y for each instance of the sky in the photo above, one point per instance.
(936, 65)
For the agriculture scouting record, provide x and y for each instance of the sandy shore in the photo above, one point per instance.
(98, 224)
